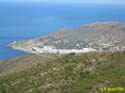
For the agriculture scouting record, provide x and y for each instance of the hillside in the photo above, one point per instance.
(71, 73)
(100, 36)
(21, 63)
(99, 31)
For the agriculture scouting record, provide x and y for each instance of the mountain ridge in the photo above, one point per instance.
(92, 31)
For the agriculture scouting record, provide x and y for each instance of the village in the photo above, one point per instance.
(51, 49)
(65, 46)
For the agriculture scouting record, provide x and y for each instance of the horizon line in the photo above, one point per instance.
(62, 3)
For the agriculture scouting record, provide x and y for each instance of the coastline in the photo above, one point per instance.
(98, 36)
(49, 49)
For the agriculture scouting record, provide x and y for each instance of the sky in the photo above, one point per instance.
(71, 1)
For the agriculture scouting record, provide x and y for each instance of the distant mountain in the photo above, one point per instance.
(97, 32)
(97, 36)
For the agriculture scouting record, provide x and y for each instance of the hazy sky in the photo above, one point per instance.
(71, 1)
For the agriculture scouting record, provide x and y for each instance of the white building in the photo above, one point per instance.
(51, 49)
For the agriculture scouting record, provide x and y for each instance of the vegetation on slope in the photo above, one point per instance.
(83, 73)
(24, 62)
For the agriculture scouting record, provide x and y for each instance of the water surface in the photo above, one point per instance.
(26, 21)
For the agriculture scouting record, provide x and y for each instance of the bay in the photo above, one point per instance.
(20, 21)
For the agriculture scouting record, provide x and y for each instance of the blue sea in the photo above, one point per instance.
(26, 21)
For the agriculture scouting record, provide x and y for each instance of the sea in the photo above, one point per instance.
(22, 21)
